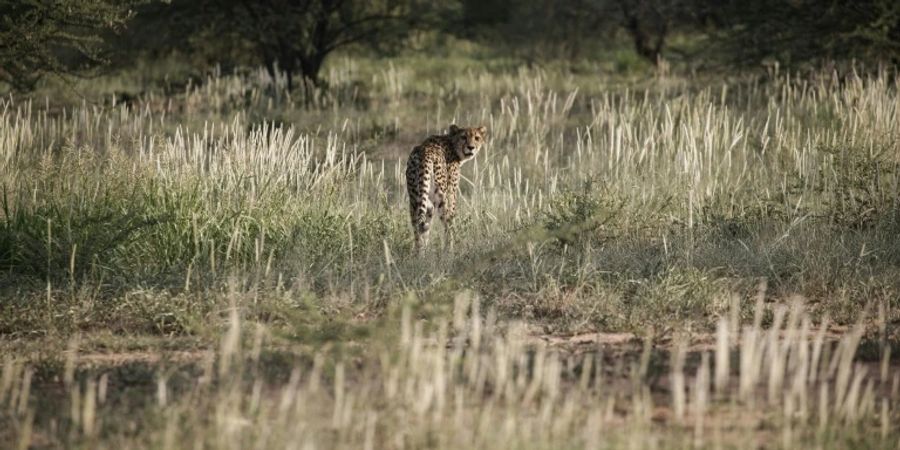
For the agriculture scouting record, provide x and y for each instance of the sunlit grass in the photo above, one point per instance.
(273, 229)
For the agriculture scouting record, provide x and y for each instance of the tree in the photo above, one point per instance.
(59, 37)
(290, 36)
(297, 36)
(798, 31)
(647, 22)
(552, 28)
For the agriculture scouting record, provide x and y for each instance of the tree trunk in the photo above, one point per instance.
(647, 27)
(309, 69)
(648, 45)
(290, 66)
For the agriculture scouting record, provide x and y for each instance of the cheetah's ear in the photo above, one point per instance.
(482, 130)
(454, 129)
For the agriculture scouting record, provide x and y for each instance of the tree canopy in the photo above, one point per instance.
(40, 37)
(295, 37)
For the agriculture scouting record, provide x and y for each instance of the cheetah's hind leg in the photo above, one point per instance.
(421, 212)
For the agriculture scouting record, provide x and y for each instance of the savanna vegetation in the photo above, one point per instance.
(682, 231)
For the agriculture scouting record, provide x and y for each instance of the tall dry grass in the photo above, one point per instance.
(231, 213)
(472, 381)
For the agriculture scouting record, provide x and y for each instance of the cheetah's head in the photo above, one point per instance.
(467, 141)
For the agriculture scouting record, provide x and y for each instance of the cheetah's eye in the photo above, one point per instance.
(477, 138)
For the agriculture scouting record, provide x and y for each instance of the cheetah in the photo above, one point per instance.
(432, 178)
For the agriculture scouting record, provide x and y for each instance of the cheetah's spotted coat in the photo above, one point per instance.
(432, 178)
